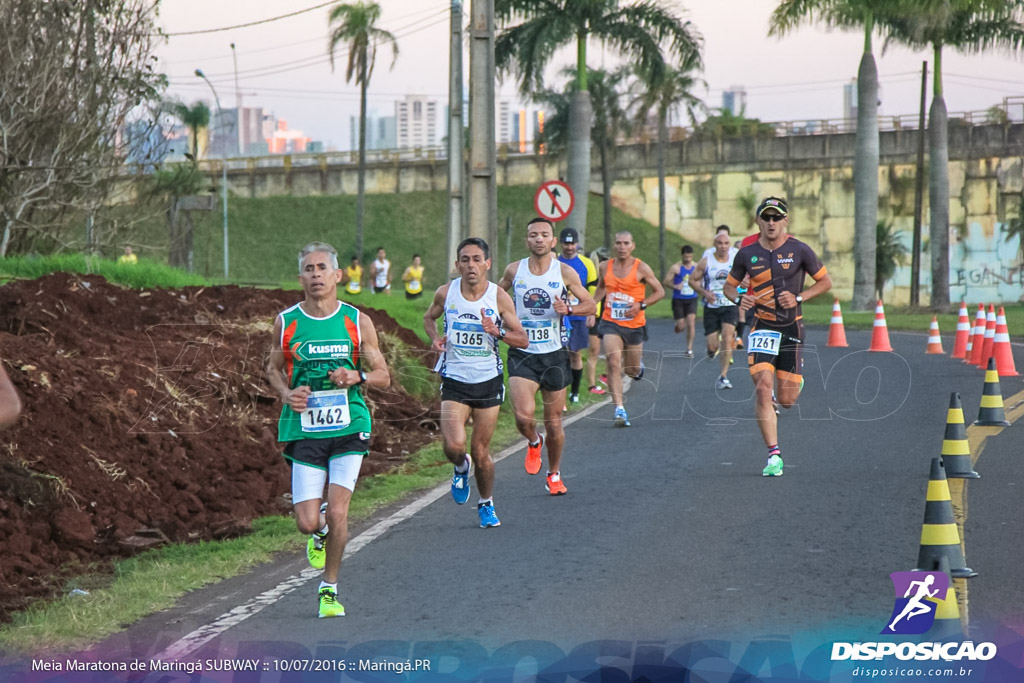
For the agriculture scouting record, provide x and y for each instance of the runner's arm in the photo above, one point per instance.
(822, 284)
(648, 277)
(697, 278)
(10, 404)
(276, 377)
(406, 276)
(515, 335)
(369, 351)
(586, 305)
(509, 276)
(670, 277)
(435, 311)
(599, 293)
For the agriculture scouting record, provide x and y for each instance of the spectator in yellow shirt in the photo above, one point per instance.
(413, 278)
(129, 257)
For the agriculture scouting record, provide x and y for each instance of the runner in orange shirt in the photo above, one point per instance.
(622, 283)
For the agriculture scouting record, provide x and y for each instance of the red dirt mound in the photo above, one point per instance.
(147, 419)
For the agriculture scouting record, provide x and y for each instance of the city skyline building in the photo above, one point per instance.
(416, 119)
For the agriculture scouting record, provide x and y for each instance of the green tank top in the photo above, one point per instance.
(313, 347)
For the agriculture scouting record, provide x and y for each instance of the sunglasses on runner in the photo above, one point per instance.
(772, 217)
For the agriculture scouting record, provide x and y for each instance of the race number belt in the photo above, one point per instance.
(539, 331)
(764, 341)
(468, 338)
(619, 306)
(326, 411)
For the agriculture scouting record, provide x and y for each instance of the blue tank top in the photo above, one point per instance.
(684, 276)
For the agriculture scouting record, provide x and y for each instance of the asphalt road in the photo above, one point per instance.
(668, 535)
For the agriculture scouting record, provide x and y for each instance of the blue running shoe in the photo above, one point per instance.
(460, 487)
(621, 419)
(487, 516)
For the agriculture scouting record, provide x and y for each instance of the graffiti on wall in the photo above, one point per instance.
(982, 268)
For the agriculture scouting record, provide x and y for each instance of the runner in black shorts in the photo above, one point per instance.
(777, 265)
(477, 315)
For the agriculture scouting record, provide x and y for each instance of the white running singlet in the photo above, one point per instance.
(380, 277)
(715, 276)
(471, 355)
(534, 295)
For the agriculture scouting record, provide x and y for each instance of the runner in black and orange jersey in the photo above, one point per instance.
(777, 265)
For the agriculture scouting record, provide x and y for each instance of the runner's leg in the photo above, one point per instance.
(484, 422)
(554, 434)
(632, 357)
(613, 348)
(523, 393)
(763, 375)
(453, 431)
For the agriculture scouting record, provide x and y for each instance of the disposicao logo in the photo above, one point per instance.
(915, 605)
(917, 595)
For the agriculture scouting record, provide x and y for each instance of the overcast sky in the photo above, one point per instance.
(283, 65)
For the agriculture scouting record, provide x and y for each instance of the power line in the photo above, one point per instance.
(281, 46)
(312, 60)
(251, 23)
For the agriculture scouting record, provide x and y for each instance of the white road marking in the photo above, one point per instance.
(204, 634)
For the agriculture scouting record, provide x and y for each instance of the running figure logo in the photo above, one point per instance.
(917, 596)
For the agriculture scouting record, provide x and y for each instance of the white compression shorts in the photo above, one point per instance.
(308, 482)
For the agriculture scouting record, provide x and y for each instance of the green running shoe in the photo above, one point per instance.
(773, 468)
(315, 552)
(329, 605)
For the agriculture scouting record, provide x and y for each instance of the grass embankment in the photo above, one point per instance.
(265, 234)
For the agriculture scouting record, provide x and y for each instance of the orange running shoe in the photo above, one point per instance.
(533, 456)
(555, 486)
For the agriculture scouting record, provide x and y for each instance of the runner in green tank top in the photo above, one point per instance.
(323, 353)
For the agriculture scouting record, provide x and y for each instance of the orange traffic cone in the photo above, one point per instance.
(1001, 349)
(990, 336)
(836, 331)
(977, 337)
(880, 335)
(934, 339)
(963, 333)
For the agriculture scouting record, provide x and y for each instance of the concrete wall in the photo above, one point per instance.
(708, 182)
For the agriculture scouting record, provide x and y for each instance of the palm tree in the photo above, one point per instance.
(196, 118)
(966, 26)
(890, 252)
(644, 31)
(610, 119)
(354, 24)
(666, 90)
(853, 15)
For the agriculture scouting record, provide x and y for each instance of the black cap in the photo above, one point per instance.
(569, 236)
(772, 203)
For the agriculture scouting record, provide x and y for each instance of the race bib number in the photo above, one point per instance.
(539, 331)
(326, 411)
(687, 290)
(414, 285)
(619, 305)
(764, 341)
(467, 337)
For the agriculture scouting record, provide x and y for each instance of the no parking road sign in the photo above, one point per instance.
(553, 201)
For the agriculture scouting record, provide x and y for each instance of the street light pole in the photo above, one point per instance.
(223, 170)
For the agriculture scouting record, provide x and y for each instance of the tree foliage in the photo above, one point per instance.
(890, 252)
(72, 73)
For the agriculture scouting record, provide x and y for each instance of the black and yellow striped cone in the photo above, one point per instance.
(992, 413)
(956, 450)
(939, 537)
(947, 624)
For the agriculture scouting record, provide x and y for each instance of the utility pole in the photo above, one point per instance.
(915, 249)
(483, 196)
(456, 162)
(223, 172)
(238, 104)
